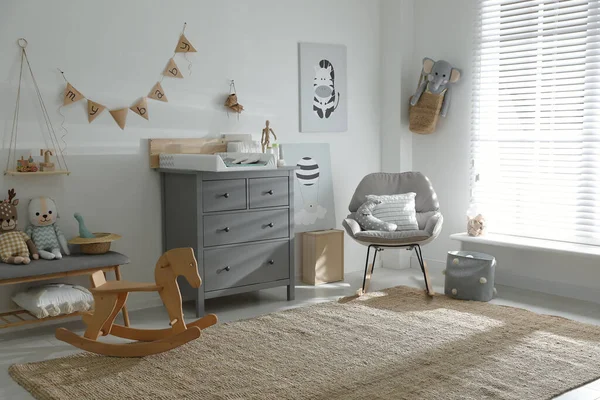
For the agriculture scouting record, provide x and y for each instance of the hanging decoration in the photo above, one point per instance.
(232, 101)
(172, 70)
(94, 109)
(72, 95)
(157, 93)
(120, 116)
(29, 166)
(141, 108)
(184, 46)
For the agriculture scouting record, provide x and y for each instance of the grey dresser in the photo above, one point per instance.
(240, 225)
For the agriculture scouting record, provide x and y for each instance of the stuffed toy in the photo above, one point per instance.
(476, 226)
(15, 246)
(43, 229)
(432, 97)
(366, 220)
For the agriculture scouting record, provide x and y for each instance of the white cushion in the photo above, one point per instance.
(398, 209)
(54, 299)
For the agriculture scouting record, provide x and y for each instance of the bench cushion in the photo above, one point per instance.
(73, 262)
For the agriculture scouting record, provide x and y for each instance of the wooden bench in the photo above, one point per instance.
(42, 270)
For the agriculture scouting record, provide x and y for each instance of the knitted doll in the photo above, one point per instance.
(43, 229)
(368, 222)
(15, 245)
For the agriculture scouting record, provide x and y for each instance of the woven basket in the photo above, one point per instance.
(424, 116)
(95, 248)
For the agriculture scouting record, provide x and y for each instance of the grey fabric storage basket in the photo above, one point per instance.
(470, 275)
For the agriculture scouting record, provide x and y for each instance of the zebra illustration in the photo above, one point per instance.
(326, 99)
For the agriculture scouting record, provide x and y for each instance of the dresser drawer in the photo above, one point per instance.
(245, 227)
(224, 195)
(245, 265)
(268, 192)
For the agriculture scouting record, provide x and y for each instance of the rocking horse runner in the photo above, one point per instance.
(110, 297)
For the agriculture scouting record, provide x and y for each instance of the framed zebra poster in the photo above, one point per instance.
(323, 88)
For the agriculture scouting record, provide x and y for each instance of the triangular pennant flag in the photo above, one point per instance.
(94, 109)
(172, 70)
(184, 45)
(120, 116)
(141, 108)
(71, 95)
(157, 93)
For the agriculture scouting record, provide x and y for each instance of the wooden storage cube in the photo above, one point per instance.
(322, 256)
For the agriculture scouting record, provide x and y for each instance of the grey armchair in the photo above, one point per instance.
(427, 206)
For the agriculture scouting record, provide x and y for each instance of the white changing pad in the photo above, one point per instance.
(219, 162)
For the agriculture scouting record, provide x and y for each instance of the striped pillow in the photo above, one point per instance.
(398, 209)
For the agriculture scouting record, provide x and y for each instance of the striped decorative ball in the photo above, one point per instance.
(308, 171)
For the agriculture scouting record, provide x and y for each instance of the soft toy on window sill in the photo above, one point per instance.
(432, 97)
(366, 220)
(44, 231)
(15, 245)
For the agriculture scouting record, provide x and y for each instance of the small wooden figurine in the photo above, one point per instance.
(46, 165)
(26, 165)
(265, 140)
(110, 297)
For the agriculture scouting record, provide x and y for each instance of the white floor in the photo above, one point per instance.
(38, 343)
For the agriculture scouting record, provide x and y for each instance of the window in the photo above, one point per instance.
(536, 118)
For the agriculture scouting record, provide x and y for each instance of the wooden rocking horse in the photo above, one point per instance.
(110, 297)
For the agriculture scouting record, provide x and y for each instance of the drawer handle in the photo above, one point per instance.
(226, 229)
(226, 195)
(270, 224)
(270, 192)
(226, 269)
(271, 262)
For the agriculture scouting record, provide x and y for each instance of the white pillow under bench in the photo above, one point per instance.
(559, 268)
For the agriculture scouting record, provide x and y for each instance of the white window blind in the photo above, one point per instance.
(536, 118)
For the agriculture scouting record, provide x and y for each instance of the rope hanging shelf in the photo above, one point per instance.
(24, 167)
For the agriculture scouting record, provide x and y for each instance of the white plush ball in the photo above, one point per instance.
(454, 291)
(482, 280)
(455, 261)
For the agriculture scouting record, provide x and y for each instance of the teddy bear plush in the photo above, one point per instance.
(366, 220)
(43, 229)
(15, 246)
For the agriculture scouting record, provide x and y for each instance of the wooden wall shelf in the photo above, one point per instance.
(17, 173)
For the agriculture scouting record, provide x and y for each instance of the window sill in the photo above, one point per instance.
(517, 242)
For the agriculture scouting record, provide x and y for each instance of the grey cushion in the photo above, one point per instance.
(73, 262)
(380, 183)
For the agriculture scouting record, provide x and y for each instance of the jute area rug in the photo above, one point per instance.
(394, 344)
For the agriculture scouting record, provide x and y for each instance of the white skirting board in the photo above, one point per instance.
(535, 284)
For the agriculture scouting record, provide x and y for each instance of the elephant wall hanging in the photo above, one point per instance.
(432, 97)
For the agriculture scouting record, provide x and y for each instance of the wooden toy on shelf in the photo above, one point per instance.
(46, 165)
(110, 298)
(26, 165)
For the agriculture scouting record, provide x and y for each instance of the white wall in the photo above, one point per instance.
(113, 51)
(444, 30)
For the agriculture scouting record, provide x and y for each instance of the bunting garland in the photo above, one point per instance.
(72, 95)
(94, 109)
